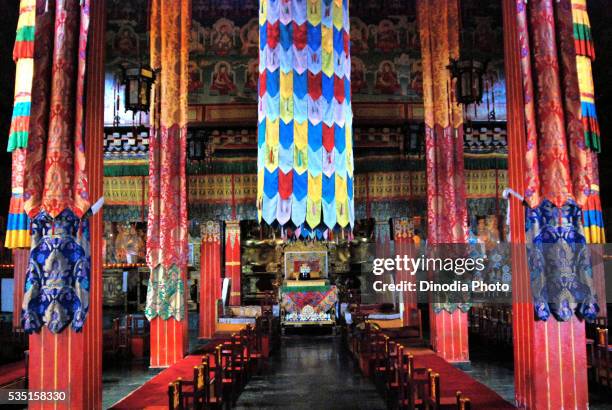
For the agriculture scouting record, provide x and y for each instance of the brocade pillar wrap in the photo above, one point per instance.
(167, 238)
(305, 143)
(232, 259)
(210, 277)
(69, 361)
(438, 22)
(557, 169)
(549, 357)
(56, 190)
(403, 237)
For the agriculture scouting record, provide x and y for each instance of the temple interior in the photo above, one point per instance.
(213, 204)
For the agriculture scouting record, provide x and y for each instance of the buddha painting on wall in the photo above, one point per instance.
(222, 81)
(386, 78)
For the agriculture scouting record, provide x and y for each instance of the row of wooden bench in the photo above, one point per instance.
(391, 365)
(224, 372)
(491, 325)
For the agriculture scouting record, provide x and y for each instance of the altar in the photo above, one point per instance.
(307, 296)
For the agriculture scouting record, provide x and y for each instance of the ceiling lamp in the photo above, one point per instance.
(138, 82)
(469, 75)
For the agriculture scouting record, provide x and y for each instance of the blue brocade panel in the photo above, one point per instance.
(559, 263)
(57, 280)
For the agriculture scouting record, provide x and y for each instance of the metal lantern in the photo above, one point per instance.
(470, 80)
(138, 82)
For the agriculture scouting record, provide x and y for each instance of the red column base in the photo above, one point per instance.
(169, 341)
(449, 335)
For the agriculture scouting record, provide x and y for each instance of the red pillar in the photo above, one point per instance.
(549, 357)
(403, 237)
(449, 335)
(20, 262)
(70, 361)
(232, 259)
(210, 278)
(169, 340)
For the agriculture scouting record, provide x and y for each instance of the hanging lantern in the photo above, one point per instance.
(469, 74)
(138, 82)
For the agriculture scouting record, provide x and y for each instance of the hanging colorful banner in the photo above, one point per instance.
(585, 55)
(23, 54)
(17, 232)
(305, 141)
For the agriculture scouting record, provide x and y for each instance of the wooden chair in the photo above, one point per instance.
(240, 359)
(175, 395)
(412, 383)
(254, 346)
(213, 381)
(414, 332)
(231, 371)
(139, 334)
(194, 391)
(124, 333)
(463, 403)
(603, 359)
(433, 399)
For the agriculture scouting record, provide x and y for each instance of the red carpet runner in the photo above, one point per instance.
(453, 379)
(154, 393)
(11, 372)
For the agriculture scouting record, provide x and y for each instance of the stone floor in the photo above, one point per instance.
(119, 380)
(316, 372)
(310, 372)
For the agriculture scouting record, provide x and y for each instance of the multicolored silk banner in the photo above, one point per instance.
(56, 190)
(17, 232)
(23, 54)
(557, 167)
(585, 55)
(305, 140)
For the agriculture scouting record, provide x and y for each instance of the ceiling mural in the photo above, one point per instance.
(223, 64)
(223, 67)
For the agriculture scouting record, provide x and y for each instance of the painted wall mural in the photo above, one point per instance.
(223, 63)
(386, 61)
(127, 43)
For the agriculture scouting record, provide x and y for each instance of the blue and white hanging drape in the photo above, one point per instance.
(305, 142)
